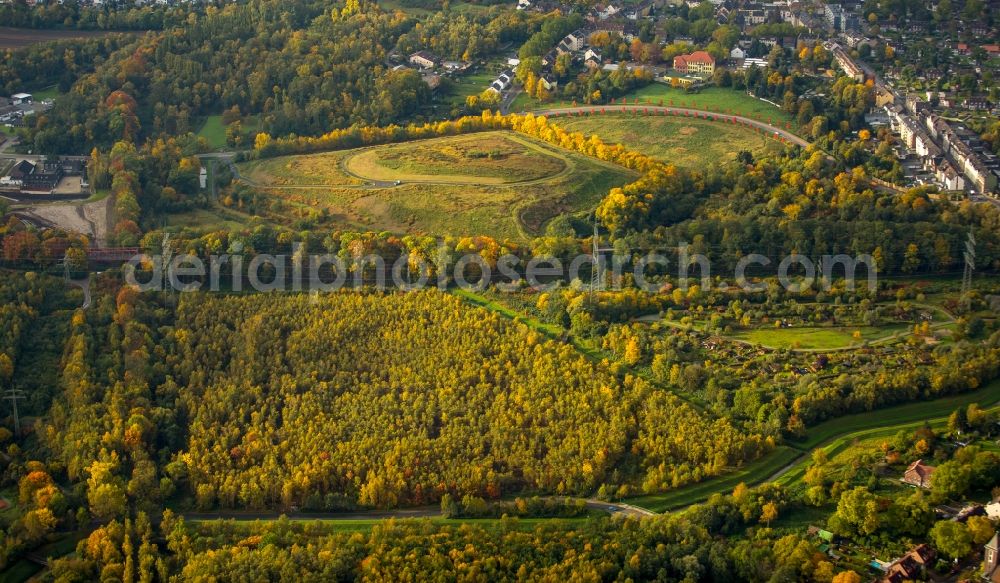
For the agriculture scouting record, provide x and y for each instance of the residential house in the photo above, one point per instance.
(976, 103)
(606, 12)
(846, 63)
(750, 62)
(424, 60)
(641, 10)
(737, 53)
(919, 474)
(547, 83)
(627, 30)
(20, 98)
(991, 560)
(502, 82)
(698, 62)
(951, 179)
(910, 566)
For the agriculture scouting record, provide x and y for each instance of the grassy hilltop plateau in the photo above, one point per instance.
(495, 291)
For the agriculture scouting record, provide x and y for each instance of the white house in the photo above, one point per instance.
(20, 98)
(737, 53)
(608, 11)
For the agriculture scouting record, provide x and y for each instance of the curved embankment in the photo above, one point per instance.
(682, 111)
(788, 463)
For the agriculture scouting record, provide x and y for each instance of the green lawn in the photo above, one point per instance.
(719, 99)
(207, 220)
(23, 569)
(816, 338)
(214, 132)
(464, 86)
(679, 141)
(50, 92)
(551, 330)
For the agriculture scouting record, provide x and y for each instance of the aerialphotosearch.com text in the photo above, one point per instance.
(328, 272)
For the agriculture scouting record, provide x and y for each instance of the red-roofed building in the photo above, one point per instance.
(698, 62)
(910, 566)
(919, 474)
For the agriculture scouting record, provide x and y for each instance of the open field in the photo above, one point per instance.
(16, 38)
(490, 158)
(816, 338)
(683, 142)
(541, 182)
(312, 170)
(717, 99)
(213, 131)
(50, 92)
(208, 219)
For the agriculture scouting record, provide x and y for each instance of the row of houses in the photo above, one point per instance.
(956, 156)
(967, 151)
(845, 62)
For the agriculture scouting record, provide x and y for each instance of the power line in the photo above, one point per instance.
(13, 395)
(970, 266)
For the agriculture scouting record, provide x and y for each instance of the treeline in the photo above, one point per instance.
(800, 202)
(73, 15)
(674, 547)
(57, 63)
(299, 74)
(535, 507)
